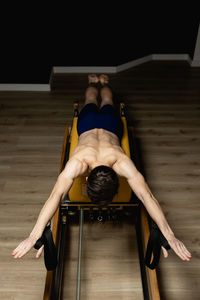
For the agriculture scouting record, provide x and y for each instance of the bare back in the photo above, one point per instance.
(98, 146)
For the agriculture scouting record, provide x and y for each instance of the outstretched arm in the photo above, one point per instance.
(126, 168)
(64, 181)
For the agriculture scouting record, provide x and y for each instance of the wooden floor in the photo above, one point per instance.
(110, 262)
(163, 104)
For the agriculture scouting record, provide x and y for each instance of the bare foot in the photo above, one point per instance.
(104, 79)
(93, 78)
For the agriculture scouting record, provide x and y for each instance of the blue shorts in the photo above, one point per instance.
(106, 118)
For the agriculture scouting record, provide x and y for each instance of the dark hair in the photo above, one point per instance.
(102, 185)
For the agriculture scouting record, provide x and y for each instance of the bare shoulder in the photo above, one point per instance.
(74, 168)
(125, 167)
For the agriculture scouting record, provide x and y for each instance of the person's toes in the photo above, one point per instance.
(101, 79)
(92, 78)
(104, 79)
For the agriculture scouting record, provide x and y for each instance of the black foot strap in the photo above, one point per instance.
(50, 255)
(156, 240)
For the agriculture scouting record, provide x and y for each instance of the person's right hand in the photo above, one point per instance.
(25, 246)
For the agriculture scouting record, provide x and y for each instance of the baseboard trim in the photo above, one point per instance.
(97, 69)
(122, 67)
(195, 63)
(84, 69)
(24, 87)
(133, 63)
(171, 57)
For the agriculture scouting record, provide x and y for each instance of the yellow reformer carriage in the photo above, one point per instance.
(77, 200)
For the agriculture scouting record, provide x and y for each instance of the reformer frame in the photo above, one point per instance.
(53, 283)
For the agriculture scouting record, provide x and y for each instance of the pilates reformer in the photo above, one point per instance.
(149, 237)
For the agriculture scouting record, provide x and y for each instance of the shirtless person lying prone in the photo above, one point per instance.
(100, 157)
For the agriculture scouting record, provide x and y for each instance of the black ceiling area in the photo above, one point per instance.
(31, 46)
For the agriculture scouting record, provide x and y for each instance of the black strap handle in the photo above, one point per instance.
(156, 240)
(50, 255)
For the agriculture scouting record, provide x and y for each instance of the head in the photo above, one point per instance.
(102, 185)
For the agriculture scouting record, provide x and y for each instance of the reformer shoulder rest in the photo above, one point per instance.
(50, 255)
(156, 240)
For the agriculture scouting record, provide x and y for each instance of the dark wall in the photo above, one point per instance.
(27, 56)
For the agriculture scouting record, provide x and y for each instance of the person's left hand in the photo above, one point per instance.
(179, 248)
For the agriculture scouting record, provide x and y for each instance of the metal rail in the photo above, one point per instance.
(78, 289)
(57, 290)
